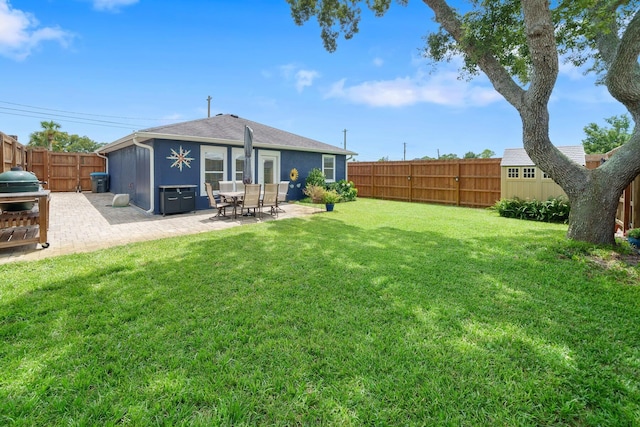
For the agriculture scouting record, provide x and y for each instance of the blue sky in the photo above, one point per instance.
(105, 68)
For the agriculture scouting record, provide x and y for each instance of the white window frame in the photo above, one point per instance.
(275, 155)
(204, 150)
(529, 173)
(333, 159)
(511, 171)
(237, 153)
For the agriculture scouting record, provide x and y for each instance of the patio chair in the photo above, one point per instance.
(239, 185)
(270, 198)
(251, 199)
(221, 205)
(283, 189)
(227, 187)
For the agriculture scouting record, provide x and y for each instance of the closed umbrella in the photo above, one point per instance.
(248, 149)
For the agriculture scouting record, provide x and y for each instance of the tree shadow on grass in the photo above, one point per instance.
(388, 326)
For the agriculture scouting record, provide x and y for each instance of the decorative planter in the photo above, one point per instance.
(634, 242)
(329, 207)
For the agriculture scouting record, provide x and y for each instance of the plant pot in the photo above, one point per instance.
(329, 207)
(634, 242)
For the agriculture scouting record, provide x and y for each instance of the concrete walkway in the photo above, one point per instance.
(84, 222)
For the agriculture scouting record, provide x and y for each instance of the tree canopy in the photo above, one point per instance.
(518, 45)
(55, 140)
(485, 154)
(601, 140)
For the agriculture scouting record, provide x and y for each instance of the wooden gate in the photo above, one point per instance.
(64, 171)
(464, 182)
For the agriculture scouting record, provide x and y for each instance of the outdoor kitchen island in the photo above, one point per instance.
(24, 227)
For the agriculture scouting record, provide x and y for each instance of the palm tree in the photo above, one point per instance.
(50, 129)
(46, 136)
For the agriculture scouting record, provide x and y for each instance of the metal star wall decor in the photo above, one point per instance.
(180, 158)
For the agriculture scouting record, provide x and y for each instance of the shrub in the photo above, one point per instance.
(316, 178)
(315, 193)
(552, 210)
(634, 233)
(346, 189)
(330, 197)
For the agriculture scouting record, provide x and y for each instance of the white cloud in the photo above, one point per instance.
(302, 78)
(19, 33)
(112, 5)
(287, 70)
(378, 62)
(441, 89)
(305, 78)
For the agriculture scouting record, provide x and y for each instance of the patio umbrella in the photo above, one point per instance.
(248, 149)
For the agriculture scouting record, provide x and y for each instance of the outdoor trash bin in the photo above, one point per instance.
(99, 182)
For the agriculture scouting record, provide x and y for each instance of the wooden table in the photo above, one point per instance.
(25, 227)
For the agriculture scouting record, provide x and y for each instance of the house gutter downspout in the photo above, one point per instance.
(152, 201)
(106, 161)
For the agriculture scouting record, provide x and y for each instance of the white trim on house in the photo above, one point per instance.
(265, 155)
(236, 153)
(332, 158)
(216, 151)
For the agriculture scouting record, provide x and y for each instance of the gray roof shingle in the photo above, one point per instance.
(519, 157)
(229, 127)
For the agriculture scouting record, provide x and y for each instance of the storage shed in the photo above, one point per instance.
(185, 155)
(521, 178)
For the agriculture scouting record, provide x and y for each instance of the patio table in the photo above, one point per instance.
(235, 197)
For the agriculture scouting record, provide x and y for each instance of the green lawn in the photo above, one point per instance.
(379, 313)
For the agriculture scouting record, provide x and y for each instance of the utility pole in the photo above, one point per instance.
(404, 156)
(209, 106)
(345, 138)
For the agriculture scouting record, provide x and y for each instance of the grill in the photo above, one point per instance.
(18, 181)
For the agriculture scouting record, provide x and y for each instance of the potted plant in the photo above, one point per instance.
(633, 236)
(329, 198)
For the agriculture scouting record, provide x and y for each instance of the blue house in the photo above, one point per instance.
(186, 155)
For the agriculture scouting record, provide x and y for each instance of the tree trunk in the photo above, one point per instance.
(593, 215)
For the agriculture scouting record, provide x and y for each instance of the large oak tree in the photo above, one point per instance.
(517, 44)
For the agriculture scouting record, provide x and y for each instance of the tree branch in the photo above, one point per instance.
(497, 74)
(623, 77)
(539, 30)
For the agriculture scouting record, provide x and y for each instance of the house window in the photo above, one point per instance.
(237, 165)
(529, 173)
(213, 166)
(545, 176)
(329, 167)
(513, 172)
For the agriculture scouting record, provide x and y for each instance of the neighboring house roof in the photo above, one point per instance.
(227, 129)
(519, 157)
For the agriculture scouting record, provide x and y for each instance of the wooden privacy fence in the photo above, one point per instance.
(64, 171)
(12, 153)
(61, 171)
(462, 182)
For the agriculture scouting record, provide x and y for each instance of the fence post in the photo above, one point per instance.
(373, 182)
(410, 179)
(457, 183)
(14, 153)
(2, 151)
